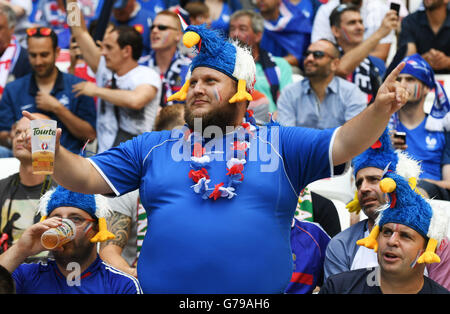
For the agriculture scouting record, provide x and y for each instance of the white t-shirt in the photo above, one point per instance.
(132, 121)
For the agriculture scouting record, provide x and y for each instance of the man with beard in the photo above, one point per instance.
(428, 34)
(220, 194)
(426, 135)
(49, 91)
(321, 100)
(76, 267)
(342, 253)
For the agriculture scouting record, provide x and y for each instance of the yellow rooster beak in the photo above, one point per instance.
(190, 39)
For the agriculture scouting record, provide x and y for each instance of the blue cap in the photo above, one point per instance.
(62, 197)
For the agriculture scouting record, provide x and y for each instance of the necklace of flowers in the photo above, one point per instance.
(200, 161)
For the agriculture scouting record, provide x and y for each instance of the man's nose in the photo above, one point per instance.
(199, 87)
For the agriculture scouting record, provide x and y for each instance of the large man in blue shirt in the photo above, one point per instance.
(230, 237)
(49, 91)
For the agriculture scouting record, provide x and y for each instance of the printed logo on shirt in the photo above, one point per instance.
(430, 142)
(64, 100)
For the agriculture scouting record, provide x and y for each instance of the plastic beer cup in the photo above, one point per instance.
(43, 138)
(57, 237)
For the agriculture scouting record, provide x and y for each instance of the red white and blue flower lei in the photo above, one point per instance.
(200, 161)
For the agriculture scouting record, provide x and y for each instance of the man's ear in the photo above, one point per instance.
(336, 32)
(127, 51)
(259, 37)
(335, 64)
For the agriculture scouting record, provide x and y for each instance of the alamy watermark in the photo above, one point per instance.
(73, 14)
(74, 276)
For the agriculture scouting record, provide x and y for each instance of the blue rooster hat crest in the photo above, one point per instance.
(379, 155)
(95, 205)
(406, 206)
(382, 155)
(222, 55)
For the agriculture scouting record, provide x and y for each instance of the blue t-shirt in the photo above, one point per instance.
(309, 242)
(427, 147)
(238, 245)
(291, 32)
(98, 278)
(20, 95)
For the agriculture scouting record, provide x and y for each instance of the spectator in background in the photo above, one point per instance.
(220, 12)
(313, 207)
(357, 65)
(428, 33)
(128, 222)
(308, 243)
(13, 57)
(198, 13)
(165, 58)
(78, 66)
(13, 61)
(170, 117)
(21, 191)
(49, 91)
(128, 93)
(321, 100)
(287, 31)
(153, 5)
(427, 138)
(372, 13)
(52, 14)
(22, 10)
(273, 74)
(130, 12)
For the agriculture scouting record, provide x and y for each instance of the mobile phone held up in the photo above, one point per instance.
(395, 7)
(401, 135)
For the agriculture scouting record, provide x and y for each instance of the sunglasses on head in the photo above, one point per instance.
(42, 31)
(161, 27)
(317, 54)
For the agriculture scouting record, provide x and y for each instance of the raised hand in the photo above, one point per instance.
(391, 95)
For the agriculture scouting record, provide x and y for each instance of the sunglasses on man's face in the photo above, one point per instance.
(317, 54)
(161, 27)
(43, 31)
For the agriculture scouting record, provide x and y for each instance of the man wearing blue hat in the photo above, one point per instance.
(227, 187)
(410, 232)
(76, 267)
(427, 135)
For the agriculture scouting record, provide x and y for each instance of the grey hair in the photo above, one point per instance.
(9, 14)
(255, 17)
